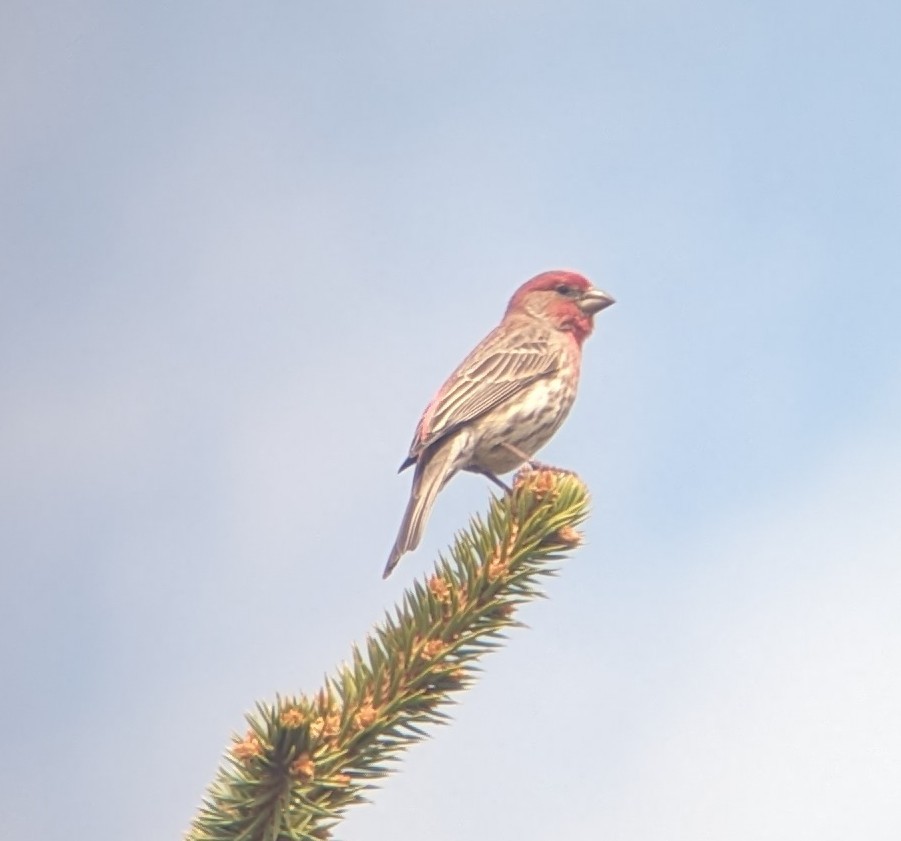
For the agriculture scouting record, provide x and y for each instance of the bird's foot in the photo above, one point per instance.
(538, 477)
(538, 466)
(531, 464)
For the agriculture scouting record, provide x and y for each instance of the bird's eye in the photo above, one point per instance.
(565, 290)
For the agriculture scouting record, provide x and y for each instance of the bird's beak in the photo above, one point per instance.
(594, 300)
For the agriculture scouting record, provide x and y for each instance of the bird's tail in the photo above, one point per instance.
(433, 470)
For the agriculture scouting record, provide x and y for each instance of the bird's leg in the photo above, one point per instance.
(535, 465)
(518, 453)
(499, 482)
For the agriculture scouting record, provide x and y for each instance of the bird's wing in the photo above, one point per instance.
(503, 363)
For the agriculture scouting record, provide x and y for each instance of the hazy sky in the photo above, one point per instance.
(242, 244)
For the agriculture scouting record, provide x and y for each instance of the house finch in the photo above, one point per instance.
(506, 399)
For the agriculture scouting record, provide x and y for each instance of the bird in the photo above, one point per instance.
(506, 399)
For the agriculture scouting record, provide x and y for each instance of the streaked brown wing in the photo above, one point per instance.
(502, 364)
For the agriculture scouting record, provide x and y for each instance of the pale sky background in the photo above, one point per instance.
(241, 244)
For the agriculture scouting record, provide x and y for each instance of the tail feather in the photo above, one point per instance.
(433, 470)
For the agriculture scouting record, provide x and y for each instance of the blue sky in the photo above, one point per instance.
(240, 247)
